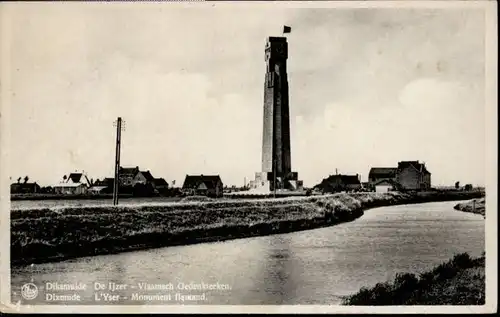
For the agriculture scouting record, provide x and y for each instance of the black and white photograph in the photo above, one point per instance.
(288, 156)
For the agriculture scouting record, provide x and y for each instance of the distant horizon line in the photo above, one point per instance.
(49, 184)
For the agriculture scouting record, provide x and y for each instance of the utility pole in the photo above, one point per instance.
(116, 184)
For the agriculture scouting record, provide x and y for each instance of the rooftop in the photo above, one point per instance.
(193, 181)
(383, 171)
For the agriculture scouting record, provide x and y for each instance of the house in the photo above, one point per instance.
(132, 180)
(131, 176)
(413, 175)
(366, 186)
(74, 184)
(143, 177)
(95, 189)
(107, 182)
(385, 185)
(128, 176)
(339, 182)
(77, 178)
(206, 185)
(377, 174)
(70, 189)
(24, 188)
(104, 186)
(160, 184)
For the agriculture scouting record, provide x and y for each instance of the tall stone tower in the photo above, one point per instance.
(276, 158)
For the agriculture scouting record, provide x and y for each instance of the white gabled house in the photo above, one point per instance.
(74, 184)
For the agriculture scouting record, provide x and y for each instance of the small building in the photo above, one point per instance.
(132, 176)
(205, 185)
(74, 184)
(160, 186)
(77, 178)
(377, 174)
(104, 186)
(160, 183)
(24, 188)
(107, 182)
(132, 180)
(97, 190)
(413, 175)
(127, 176)
(366, 186)
(337, 183)
(143, 177)
(384, 186)
(70, 189)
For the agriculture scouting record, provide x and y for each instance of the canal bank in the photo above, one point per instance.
(459, 281)
(475, 206)
(54, 234)
(308, 267)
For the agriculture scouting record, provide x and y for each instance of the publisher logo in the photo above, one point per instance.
(29, 291)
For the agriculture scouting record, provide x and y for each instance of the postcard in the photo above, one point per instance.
(246, 157)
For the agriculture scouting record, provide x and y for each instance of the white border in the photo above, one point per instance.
(490, 168)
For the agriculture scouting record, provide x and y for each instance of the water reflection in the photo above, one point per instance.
(278, 268)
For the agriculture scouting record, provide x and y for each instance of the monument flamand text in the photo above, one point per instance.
(276, 158)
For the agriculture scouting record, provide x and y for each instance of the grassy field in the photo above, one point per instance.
(476, 206)
(460, 281)
(51, 234)
(53, 196)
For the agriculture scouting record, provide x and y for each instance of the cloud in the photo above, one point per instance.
(367, 87)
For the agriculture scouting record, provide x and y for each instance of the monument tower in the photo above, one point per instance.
(276, 158)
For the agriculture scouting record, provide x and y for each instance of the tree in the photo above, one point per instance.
(457, 185)
(26, 178)
(19, 180)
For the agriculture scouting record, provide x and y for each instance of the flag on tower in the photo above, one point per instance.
(287, 29)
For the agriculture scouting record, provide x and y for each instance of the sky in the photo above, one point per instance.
(368, 87)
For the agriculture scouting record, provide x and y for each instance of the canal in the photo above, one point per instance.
(308, 267)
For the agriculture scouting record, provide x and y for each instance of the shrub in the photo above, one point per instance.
(451, 283)
(363, 297)
(426, 279)
(381, 293)
(445, 271)
(405, 282)
(462, 260)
